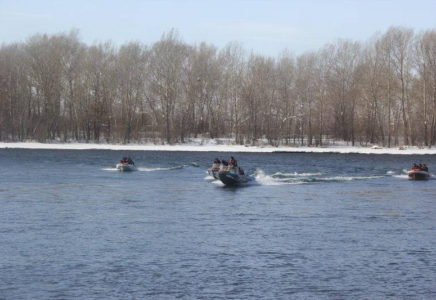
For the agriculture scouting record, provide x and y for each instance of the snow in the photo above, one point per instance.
(209, 145)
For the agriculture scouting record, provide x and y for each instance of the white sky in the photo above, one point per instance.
(267, 27)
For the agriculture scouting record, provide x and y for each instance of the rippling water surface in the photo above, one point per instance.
(310, 226)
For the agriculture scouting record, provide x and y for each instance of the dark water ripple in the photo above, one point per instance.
(322, 226)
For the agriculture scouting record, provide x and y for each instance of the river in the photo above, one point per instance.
(329, 226)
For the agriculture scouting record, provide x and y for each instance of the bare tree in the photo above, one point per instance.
(401, 42)
(56, 87)
(165, 86)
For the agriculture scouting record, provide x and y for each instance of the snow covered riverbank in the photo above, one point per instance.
(211, 145)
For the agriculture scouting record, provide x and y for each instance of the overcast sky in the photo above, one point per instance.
(267, 27)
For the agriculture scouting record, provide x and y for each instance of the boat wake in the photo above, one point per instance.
(179, 167)
(149, 169)
(110, 169)
(295, 174)
(143, 169)
(402, 175)
(275, 179)
(279, 178)
(208, 177)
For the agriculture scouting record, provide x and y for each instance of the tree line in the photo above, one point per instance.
(382, 90)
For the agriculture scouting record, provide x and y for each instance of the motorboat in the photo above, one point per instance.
(125, 167)
(230, 175)
(417, 174)
(213, 171)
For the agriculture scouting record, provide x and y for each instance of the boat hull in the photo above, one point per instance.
(230, 178)
(125, 167)
(419, 175)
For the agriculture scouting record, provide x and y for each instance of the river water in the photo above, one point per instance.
(329, 226)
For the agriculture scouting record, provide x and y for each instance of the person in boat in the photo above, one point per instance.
(217, 161)
(225, 162)
(124, 160)
(424, 168)
(415, 167)
(130, 161)
(233, 162)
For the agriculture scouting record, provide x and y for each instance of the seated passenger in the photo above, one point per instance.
(130, 161)
(124, 160)
(424, 168)
(224, 162)
(216, 161)
(233, 162)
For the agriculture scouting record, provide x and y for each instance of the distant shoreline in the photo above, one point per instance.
(193, 147)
